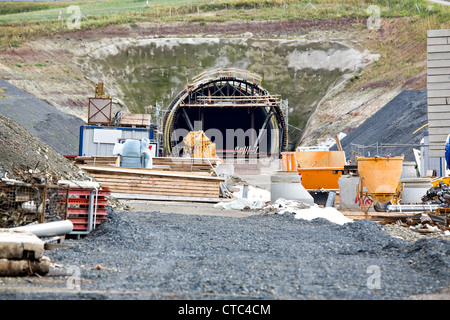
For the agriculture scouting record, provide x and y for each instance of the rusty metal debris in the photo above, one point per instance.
(439, 195)
(425, 222)
(430, 216)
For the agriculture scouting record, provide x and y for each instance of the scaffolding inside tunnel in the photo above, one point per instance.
(235, 112)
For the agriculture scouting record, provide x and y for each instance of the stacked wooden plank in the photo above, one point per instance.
(159, 163)
(438, 90)
(93, 160)
(131, 183)
(186, 164)
(135, 120)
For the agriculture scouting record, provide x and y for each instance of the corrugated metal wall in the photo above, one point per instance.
(438, 89)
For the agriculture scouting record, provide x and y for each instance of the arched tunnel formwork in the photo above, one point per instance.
(233, 110)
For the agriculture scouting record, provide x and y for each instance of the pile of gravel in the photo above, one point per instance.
(393, 124)
(166, 256)
(21, 151)
(57, 129)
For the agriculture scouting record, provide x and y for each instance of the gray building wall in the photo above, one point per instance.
(438, 90)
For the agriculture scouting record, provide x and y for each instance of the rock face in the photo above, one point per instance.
(21, 253)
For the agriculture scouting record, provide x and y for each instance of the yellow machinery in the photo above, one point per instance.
(198, 145)
(444, 180)
(398, 193)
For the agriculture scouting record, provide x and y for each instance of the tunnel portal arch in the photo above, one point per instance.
(234, 111)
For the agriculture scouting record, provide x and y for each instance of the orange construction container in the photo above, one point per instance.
(314, 159)
(320, 178)
(380, 175)
(317, 167)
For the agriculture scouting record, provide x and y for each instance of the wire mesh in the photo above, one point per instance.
(380, 149)
(22, 203)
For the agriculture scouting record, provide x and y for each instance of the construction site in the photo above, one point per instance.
(213, 194)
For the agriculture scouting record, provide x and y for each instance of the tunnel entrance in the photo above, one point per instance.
(233, 110)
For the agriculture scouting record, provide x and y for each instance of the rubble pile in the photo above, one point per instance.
(412, 234)
(439, 195)
(27, 167)
(22, 152)
(426, 223)
(432, 221)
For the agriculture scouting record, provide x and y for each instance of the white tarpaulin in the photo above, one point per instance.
(331, 214)
(240, 204)
(307, 212)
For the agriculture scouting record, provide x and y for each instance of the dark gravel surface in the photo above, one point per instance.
(57, 129)
(393, 124)
(151, 255)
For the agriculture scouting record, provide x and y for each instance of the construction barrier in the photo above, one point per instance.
(86, 208)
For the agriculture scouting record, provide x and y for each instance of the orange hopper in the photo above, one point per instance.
(380, 176)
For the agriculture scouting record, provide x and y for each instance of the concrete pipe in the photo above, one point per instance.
(48, 229)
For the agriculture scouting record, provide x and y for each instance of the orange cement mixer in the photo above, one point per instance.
(380, 176)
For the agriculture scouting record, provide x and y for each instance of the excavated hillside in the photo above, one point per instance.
(63, 70)
(394, 126)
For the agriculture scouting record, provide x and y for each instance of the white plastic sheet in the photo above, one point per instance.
(307, 212)
(240, 204)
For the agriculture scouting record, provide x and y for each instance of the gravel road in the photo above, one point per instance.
(153, 255)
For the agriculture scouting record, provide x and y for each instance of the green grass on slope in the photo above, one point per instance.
(249, 9)
(50, 10)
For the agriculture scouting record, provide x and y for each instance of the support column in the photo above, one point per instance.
(202, 118)
(252, 126)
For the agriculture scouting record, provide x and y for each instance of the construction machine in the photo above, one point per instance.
(198, 145)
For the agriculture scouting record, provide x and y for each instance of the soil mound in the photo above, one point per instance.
(21, 152)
